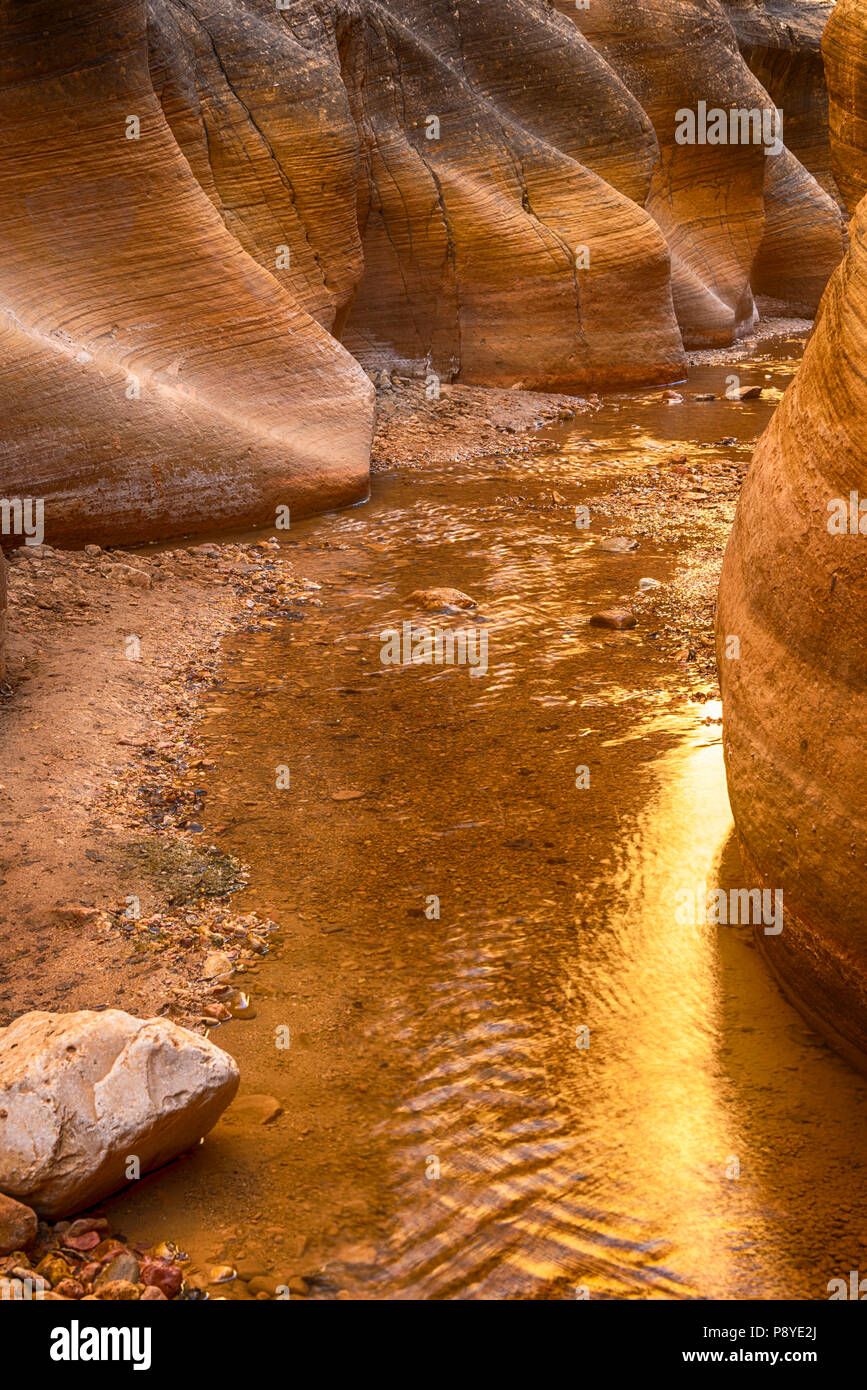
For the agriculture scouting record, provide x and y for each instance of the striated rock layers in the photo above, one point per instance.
(213, 211)
(781, 43)
(845, 49)
(154, 378)
(89, 1101)
(794, 586)
(736, 219)
(484, 171)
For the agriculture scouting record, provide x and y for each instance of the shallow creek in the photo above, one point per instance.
(442, 1134)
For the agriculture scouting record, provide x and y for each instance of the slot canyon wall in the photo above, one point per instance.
(220, 218)
(794, 584)
(392, 184)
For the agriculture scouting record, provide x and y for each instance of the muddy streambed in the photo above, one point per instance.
(445, 1131)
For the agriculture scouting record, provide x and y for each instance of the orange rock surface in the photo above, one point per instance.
(431, 200)
(845, 49)
(155, 379)
(736, 220)
(795, 693)
(212, 213)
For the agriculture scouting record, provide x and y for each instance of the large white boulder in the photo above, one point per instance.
(82, 1094)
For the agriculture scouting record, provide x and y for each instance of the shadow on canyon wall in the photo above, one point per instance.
(793, 585)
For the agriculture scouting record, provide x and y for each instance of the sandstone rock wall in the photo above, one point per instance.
(781, 43)
(794, 584)
(845, 49)
(736, 221)
(486, 191)
(155, 379)
(469, 155)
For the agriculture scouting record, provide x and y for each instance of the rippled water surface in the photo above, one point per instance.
(446, 1133)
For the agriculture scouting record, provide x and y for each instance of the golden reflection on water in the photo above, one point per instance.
(657, 1024)
(610, 1166)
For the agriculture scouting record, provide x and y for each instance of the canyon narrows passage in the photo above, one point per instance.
(441, 1133)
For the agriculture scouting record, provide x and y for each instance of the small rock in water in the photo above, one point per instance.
(17, 1225)
(646, 584)
(217, 963)
(705, 396)
(672, 397)
(747, 393)
(265, 1284)
(620, 545)
(434, 599)
(616, 618)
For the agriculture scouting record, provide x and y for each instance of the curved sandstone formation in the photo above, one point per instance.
(430, 202)
(213, 210)
(845, 49)
(736, 220)
(781, 43)
(793, 589)
(154, 378)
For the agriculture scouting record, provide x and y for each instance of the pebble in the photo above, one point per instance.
(217, 963)
(70, 1288)
(433, 599)
(616, 618)
(647, 584)
(619, 545)
(54, 1268)
(122, 1268)
(119, 1291)
(253, 1110)
(18, 1225)
(266, 1284)
(166, 1278)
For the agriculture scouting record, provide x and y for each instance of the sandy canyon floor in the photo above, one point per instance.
(154, 695)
